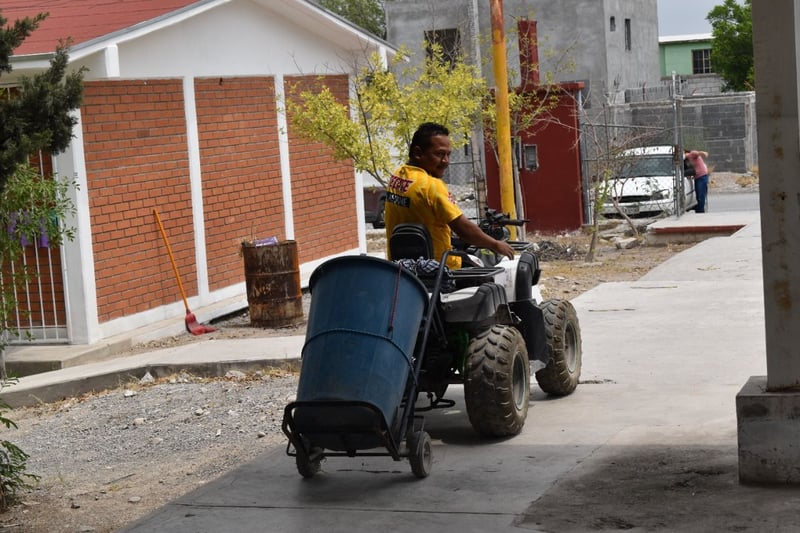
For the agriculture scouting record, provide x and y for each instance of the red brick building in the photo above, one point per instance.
(182, 114)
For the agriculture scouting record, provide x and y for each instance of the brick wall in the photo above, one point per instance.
(136, 160)
(323, 191)
(242, 194)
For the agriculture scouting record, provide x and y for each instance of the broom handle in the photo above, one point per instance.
(171, 258)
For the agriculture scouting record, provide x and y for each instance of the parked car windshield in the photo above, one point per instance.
(647, 166)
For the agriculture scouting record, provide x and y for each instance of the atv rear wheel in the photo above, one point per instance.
(497, 382)
(560, 376)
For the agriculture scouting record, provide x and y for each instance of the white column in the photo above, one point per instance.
(766, 407)
(283, 150)
(196, 188)
(776, 69)
(77, 258)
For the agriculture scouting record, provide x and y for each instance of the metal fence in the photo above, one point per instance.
(34, 284)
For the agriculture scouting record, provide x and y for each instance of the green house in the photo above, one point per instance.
(686, 55)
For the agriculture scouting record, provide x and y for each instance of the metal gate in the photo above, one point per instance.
(32, 286)
(39, 314)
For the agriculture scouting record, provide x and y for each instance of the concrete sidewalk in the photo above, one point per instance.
(210, 357)
(646, 443)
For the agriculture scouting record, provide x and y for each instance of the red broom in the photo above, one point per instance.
(192, 326)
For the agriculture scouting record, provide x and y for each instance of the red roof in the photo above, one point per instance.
(82, 20)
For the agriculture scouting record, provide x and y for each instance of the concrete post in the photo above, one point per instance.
(767, 407)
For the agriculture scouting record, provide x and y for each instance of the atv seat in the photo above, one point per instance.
(413, 241)
(410, 241)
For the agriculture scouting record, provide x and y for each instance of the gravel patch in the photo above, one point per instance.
(107, 459)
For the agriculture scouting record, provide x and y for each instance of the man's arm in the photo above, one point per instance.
(471, 233)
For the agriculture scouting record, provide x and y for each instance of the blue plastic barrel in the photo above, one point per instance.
(362, 328)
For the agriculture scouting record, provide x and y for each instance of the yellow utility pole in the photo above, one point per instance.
(507, 204)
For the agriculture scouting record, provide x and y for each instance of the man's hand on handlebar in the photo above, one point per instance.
(503, 248)
(470, 233)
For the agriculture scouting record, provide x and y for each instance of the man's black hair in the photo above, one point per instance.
(422, 137)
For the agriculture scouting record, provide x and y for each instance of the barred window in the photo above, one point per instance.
(701, 61)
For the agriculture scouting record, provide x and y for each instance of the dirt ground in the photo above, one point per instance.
(109, 458)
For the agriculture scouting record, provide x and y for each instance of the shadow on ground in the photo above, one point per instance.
(656, 488)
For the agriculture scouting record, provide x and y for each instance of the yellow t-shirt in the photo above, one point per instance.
(414, 196)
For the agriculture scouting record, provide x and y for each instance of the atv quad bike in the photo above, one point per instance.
(380, 333)
(490, 330)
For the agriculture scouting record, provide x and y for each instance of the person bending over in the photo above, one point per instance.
(417, 194)
(695, 157)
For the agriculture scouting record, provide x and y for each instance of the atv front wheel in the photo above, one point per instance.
(497, 382)
(560, 376)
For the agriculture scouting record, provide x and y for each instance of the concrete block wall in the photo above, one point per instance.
(723, 131)
(701, 84)
(697, 85)
(723, 125)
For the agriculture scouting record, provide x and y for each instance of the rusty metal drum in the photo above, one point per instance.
(272, 279)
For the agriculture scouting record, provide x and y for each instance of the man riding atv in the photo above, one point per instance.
(495, 323)
(397, 332)
(417, 194)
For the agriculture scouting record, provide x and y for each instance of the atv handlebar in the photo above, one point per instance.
(493, 217)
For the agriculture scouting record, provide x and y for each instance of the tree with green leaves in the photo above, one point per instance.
(374, 128)
(37, 116)
(367, 14)
(732, 44)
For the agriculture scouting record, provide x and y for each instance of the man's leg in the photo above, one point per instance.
(701, 190)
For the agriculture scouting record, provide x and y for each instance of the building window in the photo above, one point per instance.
(612, 24)
(701, 61)
(628, 34)
(448, 39)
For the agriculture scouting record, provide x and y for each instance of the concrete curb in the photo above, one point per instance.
(208, 358)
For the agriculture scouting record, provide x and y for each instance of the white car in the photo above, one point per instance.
(644, 183)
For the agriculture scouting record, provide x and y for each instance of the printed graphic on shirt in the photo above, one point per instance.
(399, 184)
(396, 199)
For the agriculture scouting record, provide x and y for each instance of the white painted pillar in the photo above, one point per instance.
(766, 407)
(77, 256)
(196, 188)
(775, 40)
(283, 150)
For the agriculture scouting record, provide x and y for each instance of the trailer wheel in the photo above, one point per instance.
(497, 382)
(560, 376)
(309, 464)
(420, 453)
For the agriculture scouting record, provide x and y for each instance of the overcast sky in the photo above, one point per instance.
(680, 17)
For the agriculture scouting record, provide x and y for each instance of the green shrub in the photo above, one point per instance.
(13, 465)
